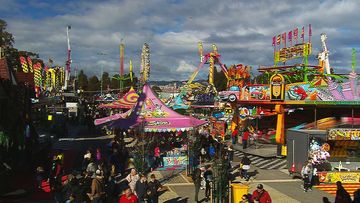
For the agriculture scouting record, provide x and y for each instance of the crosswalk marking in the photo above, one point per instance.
(277, 164)
(270, 163)
(264, 163)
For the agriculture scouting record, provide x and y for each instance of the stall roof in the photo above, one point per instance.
(125, 102)
(155, 116)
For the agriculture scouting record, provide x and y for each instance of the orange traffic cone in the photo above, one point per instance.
(292, 169)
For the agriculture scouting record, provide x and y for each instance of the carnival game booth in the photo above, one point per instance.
(334, 149)
(151, 117)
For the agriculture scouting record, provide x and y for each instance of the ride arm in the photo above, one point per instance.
(223, 68)
(192, 77)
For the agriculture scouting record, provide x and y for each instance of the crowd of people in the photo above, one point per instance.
(102, 177)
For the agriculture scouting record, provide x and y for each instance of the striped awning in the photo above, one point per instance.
(126, 102)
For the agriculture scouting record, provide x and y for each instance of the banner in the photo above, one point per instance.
(30, 64)
(283, 37)
(296, 30)
(24, 64)
(274, 41)
(303, 34)
(343, 177)
(290, 36)
(278, 40)
(37, 74)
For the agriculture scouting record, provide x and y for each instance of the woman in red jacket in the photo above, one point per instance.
(128, 197)
(260, 195)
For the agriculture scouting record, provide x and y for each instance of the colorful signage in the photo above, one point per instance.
(344, 134)
(344, 177)
(277, 87)
(175, 161)
(259, 92)
(218, 128)
(297, 51)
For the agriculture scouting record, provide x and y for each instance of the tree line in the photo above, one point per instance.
(93, 83)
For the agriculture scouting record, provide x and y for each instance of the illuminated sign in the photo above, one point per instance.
(277, 87)
(344, 134)
(288, 53)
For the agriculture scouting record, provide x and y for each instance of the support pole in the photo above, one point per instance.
(315, 115)
(280, 125)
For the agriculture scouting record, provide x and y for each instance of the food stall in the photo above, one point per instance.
(335, 152)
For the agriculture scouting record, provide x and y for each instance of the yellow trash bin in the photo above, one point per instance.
(238, 190)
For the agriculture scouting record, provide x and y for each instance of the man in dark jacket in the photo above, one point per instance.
(208, 175)
(141, 188)
(342, 196)
(197, 182)
(154, 189)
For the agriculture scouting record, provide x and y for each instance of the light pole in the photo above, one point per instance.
(102, 73)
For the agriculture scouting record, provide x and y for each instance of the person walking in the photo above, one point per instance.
(245, 199)
(211, 151)
(245, 138)
(208, 175)
(244, 167)
(141, 188)
(234, 135)
(197, 182)
(132, 178)
(230, 151)
(260, 195)
(342, 196)
(97, 188)
(128, 197)
(357, 196)
(154, 188)
(305, 173)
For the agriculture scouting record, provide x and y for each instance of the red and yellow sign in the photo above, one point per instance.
(288, 53)
(344, 177)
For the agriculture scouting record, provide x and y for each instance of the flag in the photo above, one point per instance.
(278, 40)
(302, 33)
(310, 31)
(290, 36)
(283, 37)
(296, 30)
(274, 41)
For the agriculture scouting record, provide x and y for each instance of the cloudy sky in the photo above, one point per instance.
(242, 30)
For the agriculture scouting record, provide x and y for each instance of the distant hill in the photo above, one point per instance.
(161, 83)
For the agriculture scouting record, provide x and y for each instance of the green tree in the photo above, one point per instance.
(114, 83)
(83, 80)
(105, 80)
(6, 38)
(220, 80)
(93, 84)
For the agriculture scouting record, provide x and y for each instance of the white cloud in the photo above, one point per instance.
(185, 67)
(241, 29)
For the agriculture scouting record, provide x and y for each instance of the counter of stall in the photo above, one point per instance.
(176, 157)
